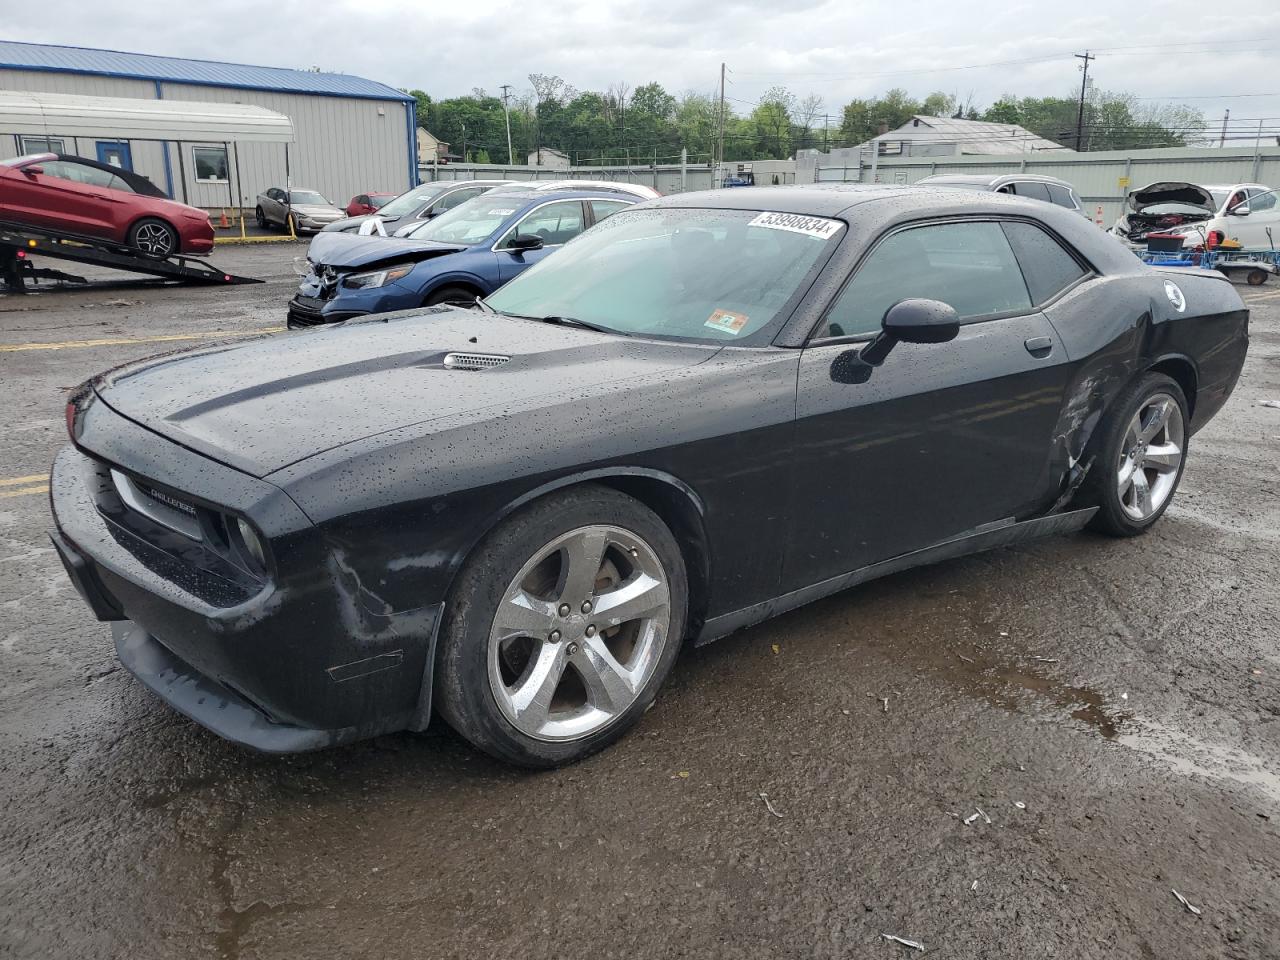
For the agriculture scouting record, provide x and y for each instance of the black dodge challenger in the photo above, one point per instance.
(710, 409)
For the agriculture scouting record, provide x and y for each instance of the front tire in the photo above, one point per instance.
(561, 628)
(153, 238)
(453, 296)
(1141, 454)
(262, 219)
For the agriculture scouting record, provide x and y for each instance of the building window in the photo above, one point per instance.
(210, 163)
(43, 145)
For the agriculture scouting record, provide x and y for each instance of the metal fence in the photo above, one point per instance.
(665, 178)
(1102, 179)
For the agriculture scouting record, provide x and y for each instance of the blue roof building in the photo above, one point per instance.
(352, 135)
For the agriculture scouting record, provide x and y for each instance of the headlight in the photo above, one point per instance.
(252, 544)
(376, 278)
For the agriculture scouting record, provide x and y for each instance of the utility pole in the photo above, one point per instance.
(1084, 87)
(464, 143)
(1222, 142)
(506, 95)
(715, 175)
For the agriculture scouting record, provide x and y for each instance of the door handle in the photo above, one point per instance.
(1039, 347)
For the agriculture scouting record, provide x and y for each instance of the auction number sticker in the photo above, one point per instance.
(727, 320)
(819, 227)
(502, 211)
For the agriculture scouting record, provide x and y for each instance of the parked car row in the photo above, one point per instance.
(450, 245)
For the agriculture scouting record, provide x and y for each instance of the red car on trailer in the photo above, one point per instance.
(69, 194)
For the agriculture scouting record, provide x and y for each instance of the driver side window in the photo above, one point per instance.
(967, 265)
(556, 223)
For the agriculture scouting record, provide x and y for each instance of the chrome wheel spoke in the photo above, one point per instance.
(1141, 493)
(1128, 467)
(583, 556)
(1164, 458)
(531, 700)
(609, 686)
(640, 598)
(1157, 416)
(524, 615)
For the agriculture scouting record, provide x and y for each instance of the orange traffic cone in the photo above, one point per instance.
(224, 223)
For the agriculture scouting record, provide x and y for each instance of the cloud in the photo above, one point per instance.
(835, 49)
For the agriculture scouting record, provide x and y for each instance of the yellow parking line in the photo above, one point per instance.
(24, 491)
(120, 341)
(15, 481)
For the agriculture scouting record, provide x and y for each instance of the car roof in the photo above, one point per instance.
(816, 200)
(991, 179)
(575, 193)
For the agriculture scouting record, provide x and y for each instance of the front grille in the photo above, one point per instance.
(473, 361)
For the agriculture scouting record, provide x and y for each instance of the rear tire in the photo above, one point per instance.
(262, 219)
(1142, 450)
(456, 296)
(154, 238)
(539, 663)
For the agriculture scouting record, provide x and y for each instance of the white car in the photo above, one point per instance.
(1246, 213)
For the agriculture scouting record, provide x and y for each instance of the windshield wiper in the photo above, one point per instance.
(484, 307)
(575, 322)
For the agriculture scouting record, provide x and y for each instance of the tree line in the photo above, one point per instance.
(647, 124)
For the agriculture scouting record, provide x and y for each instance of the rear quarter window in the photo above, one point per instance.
(1061, 196)
(1032, 189)
(1047, 267)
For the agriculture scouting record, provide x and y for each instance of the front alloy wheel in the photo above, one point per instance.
(579, 632)
(561, 627)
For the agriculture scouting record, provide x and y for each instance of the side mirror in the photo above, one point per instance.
(1240, 210)
(525, 241)
(32, 170)
(912, 321)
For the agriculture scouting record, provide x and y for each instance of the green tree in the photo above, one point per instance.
(938, 104)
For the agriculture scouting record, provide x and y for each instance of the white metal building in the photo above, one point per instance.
(350, 135)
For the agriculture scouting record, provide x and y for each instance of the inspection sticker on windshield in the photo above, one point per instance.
(819, 227)
(727, 320)
(502, 211)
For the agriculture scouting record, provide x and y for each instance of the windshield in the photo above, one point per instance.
(306, 196)
(717, 275)
(379, 200)
(469, 222)
(411, 201)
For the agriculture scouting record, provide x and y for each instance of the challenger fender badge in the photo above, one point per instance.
(1174, 293)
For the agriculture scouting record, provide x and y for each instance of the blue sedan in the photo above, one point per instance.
(465, 253)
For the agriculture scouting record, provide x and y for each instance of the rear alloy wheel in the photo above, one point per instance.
(154, 238)
(562, 628)
(1142, 455)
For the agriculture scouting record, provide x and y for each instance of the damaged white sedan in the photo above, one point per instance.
(1245, 213)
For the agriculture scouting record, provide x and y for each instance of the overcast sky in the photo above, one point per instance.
(835, 48)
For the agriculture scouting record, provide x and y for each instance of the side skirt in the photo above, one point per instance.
(983, 538)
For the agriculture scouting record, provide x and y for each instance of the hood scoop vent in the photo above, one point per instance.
(473, 361)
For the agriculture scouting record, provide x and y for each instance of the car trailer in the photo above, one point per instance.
(1257, 265)
(18, 242)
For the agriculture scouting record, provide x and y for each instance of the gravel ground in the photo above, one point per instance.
(1112, 706)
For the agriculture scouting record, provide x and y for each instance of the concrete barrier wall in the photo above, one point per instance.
(665, 178)
(1100, 178)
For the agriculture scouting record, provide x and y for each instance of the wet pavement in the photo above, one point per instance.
(1112, 707)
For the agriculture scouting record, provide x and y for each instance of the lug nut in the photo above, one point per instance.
(591, 630)
(554, 636)
(586, 606)
(564, 609)
(571, 649)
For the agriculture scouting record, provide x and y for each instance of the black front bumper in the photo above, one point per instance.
(310, 312)
(300, 664)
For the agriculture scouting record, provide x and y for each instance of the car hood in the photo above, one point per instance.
(345, 250)
(353, 223)
(316, 210)
(1171, 191)
(262, 405)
